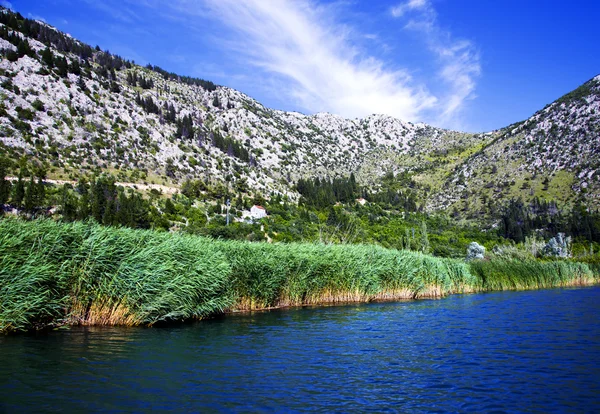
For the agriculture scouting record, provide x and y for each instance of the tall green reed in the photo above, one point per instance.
(53, 273)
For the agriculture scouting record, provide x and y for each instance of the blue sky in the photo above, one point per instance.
(473, 65)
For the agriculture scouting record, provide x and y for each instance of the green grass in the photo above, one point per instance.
(54, 274)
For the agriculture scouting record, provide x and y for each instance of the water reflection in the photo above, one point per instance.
(510, 351)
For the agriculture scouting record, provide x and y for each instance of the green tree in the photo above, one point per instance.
(40, 193)
(109, 216)
(102, 190)
(62, 66)
(23, 49)
(5, 185)
(30, 196)
(81, 84)
(75, 68)
(19, 191)
(83, 207)
(68, 203)
(169, 207)
(40, 187)
(424, 238)
(407, 239)
(48, 57)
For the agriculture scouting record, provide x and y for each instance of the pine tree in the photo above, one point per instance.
(123, 214)
(39, 192)
(353, 185)
(5, 185)
(30, 196)
(83, 207)
(131, 79)
(62, 66)
(19, 191)
(75, 68)
(24, 49)
(97, 201)
(48, 58)
(68, 204)
(109, 216)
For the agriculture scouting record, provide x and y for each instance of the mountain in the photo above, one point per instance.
(555, 154)
(81, 110)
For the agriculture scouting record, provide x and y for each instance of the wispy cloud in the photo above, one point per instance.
(401, 9)
(302, 42)
(6, 4)
(458, 59)
(305, 52)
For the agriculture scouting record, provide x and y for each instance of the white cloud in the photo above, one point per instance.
(458, 58)
(403, 8)
(300, 41)
(310, 59)
(6, 4)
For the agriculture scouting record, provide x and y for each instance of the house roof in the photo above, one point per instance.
(261, 207)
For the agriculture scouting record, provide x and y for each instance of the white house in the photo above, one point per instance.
(258, 212)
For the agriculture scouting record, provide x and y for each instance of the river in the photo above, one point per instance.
(494, 352)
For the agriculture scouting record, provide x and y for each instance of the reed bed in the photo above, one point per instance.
(266, 275)
(518, 275)
(85, 274)
(53, 274)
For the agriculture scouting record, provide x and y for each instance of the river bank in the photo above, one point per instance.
(54, 274)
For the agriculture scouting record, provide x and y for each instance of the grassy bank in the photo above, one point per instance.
(54, 273)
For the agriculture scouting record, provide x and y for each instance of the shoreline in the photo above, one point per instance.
(285, 307)
(389, 299)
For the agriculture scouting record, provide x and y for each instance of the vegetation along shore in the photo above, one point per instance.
(54, 274)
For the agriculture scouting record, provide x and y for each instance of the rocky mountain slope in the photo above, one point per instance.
(555, 154)
(80, 109)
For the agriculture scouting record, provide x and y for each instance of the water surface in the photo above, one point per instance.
(496, 352)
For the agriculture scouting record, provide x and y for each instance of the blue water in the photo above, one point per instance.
(536, 351)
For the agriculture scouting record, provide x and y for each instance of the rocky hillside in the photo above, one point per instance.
(555, 154)
(80, 109)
